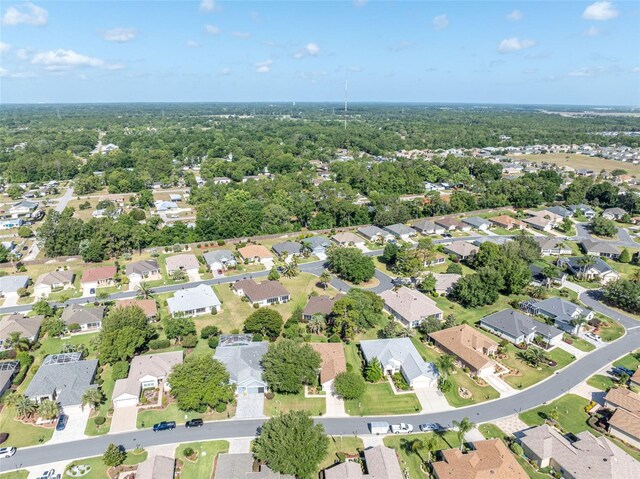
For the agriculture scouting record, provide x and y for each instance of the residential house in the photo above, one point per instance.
(380, 462)
(586, 457)
(461, 249)
(470, 346)
(175, 197)
(477, 223)
(322, 305)
(348, 239)
(148, 371)
(182, 262)
(220, 260)
(162, 206)
(47, 283)
(428, 227)
(375, 234)
(625, 421)
(156, 467)
(409, 306)
(550, 246)
(507, 222)
(560, 211)
(243, 466)
(634, 380)
(602, 249)
(8, 370)
(599, 270)
(542, 220)
(287, 249)
(450, 223)
(445, 282)
(400, 231)
(400, 355)
(88, 319)
(94, 278)
(28, 327)
(63, 378)
(488, 459)
(149, 306)
(333, 363)
(614, 214)
(255, 253)
(519, 328)
(23, 208)
(221, 180)
(318, 245)
(9, 285)
(436, 259)
(194, 301)
(262, 294)
(584, 210)
(241, 356)
(563, 313)
(11, 224)
(147, 270)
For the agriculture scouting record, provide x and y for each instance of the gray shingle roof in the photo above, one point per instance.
(372, 231)
(598, 247)
(317, 242)
(78, 314)
(400, 350)
(142, 267)
(243, 362)
(222, 256)
(599, 265)
(559, 309)
(476, 221)
(514, 324)
(69, 380)
(288, 247)
(560, 211)
(202, 296)
(400, 230)
(12, 283)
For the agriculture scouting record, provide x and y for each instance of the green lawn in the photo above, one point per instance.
(571, 415)
(473, 315)
(21, 474)
(426, 352)
(491, 431)
(604, 383)
(150, 417)
(609, 330)
(410, 461)
(378, 399)
(345, 444)
(478, 393)
(631, 361)
(580, 343)
(107, 389)
(99, 470)
(20, 434)
(499, 230)
(353, 357)
(529, 375)
(282, 403)
(207, 453)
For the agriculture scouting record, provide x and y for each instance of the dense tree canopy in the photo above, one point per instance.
(289, 365)
(350, 264)
(125, 331)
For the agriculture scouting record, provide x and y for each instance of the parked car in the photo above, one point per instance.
(626, 370)
(619, 371)
(194, 423)
(62, 422)
(379, 427)
(430, 426)
(6, 452)
(593, 337)
(402, 427)
(164, 426)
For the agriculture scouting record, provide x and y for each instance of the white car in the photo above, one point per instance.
(6, 452)
(592, 336)
(402, 427)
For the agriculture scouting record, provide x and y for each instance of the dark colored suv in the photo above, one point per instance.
(164, 426)
(195, 423)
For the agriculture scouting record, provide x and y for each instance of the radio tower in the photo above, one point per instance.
(346, 101)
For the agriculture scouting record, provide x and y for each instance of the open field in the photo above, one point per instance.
(581, 161)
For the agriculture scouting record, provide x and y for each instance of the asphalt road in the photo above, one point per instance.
(64, 200)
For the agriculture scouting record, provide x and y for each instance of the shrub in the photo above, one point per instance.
(257, 338)
(516, 449)
(208, 331)
(589, 407)
(159, 343)
(220, 242)
(349, 385)
(99, 420)
(188, 452)
(120, 370)
(189, 341)
(213, 342)
(221, 407)
(335, 339)
(3, 437)
(269, 395)
(400, 382)
(114, 456)
(73, 327)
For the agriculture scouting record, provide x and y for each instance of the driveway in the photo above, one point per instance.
(250, 406)
(10, 300)
(499, 385)
(76, 424)
(124, 419)
(193, 275)
(432, 400)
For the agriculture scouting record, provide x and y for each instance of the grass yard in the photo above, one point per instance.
(410, 461)
(571, 415)
(491, 431)
(346, 444)
(581, 344)
(21, 474)
(99, 470)
(609, 330)
(283, 403)
(426, 352)
(631, 361)
(107, 389)
(531, 375)
(473, 315)
(499, 230)
(600, 381)
(150, 417)
(20, 434)
(478, 393)
(207, 453)
(353, 356)
(378, 400)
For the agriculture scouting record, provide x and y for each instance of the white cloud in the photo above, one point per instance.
(62, 60)
(600, 11)
(207, 5)
(4, 47)
(120, 35)
(211, 29)
(192, 44)
(635, 70)
(27, 13)
(513, 44)
(225, 71)
(312, 49)
(589, 71)
(360, 3)
(515, 16)
(241, 34)
(440, 22)
(592, 32)
(264, 67)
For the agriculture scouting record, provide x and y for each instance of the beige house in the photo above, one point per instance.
(348, 239)
(333, 362)
(182, 262)
(54, 281)
(625, 422)
(28, 327)
(262, 294)
(156, 467)
(470, 346)
(409, 306)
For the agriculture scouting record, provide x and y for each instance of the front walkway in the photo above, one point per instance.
(74, 430)
(432, 400)
(193, 276)
(499, 385)
(250, 406)
(124, 419)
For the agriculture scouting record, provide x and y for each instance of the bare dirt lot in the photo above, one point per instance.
(581, 161)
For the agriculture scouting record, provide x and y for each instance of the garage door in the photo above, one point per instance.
(125, 402)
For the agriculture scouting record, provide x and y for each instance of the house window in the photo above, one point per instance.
(148, 384)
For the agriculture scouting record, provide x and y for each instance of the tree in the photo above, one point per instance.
(291, 269)
(373, 372)
(446, 364)
(624, 294)
(125, 331)
(41, 307)
(429, 325)
(114, 456)
(265, 321)
(292, 444)
(200, 382)
(533, 355)
(390, 253)
(350, 264)
(144, 291)
(16, 341)
(358, 310)
(53, 326)
(178, 327)
(349, 385)
(25, 232)
(274, 275)
(550, 273)
(454, 268)
(603, 227)
(566, 225)
(24, 406)
(289, 365)
(585, 262)
(325, 279)
(48, 409)
(625, 256)
(635, 276)
(463, 427)
(316, 324)
(479, 289)
(578, 322)
(93, 397)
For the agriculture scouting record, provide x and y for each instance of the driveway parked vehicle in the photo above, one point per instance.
(62, 422)
(6, 452)
(164, 426)
(194, 423)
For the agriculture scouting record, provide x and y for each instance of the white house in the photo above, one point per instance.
(194, 301)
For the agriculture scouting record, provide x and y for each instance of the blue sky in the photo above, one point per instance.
(543, 52)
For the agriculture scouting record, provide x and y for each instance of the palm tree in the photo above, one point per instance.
(316, 324)
(463, 427)
(533, 355)
(12, 399)
(17, 341)
(635, 276)
(431, 445)
(585, 263)
(144, 291)
(48, 409)
(539, 292)
(416, 446)
(325, 278)
(291, 270)
(305, 249)
(446, 364)
(92, 397)
(578, 322)
(24, 406)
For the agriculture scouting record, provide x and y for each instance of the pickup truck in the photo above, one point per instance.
(402, 427)
(164, 426)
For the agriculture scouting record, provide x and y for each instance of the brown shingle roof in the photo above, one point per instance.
(624, 398)
(626, 422)
(97, 274)
(255, 251)
(320, 305)
(467, 343)
(490, 459)
(333, 360)
(149, 306)
(636, 377)
(260, 291)
(507, 221)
